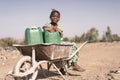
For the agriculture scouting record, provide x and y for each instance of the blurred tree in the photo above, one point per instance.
(23, 42)
(108, 35)
(77, 38)
(115, 37)
(83, 37)
(65, 39)
(92, 35)
(4, 42)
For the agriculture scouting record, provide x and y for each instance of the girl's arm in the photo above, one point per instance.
(54, 28)
(50, 29)
(60, 31)
(61, 34)
(47, 28)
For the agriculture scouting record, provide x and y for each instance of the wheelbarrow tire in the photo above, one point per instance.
(17, 67)
(9, 77)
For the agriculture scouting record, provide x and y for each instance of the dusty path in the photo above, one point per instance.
(99, 60)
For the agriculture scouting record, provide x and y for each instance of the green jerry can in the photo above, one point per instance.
(33, 36)
(51, 37)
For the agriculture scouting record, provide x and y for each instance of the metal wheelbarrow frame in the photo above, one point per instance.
(31, 71)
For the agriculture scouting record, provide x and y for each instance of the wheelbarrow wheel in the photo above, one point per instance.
(23, 65)
(9, 77)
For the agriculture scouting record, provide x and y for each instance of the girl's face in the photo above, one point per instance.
(55, 17)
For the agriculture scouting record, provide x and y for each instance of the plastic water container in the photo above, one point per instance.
(33, 36)
(51, 37)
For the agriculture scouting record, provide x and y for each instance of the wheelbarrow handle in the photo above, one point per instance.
(78, 49)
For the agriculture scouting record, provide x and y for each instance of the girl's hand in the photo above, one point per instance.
(56, 28)
(60, 31)
(48, 29)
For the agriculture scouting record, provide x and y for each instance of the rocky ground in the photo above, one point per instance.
(101, 61)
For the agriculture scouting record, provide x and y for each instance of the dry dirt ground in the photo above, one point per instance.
(101, 61)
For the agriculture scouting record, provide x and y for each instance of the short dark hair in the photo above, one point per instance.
(54, 11)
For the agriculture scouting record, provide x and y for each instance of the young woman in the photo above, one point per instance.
(51, 27)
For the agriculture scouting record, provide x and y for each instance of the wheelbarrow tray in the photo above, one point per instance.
(46, 51)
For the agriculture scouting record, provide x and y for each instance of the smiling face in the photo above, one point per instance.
(55, 17)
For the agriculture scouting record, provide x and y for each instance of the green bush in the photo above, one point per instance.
(4, 42)
(109, 37)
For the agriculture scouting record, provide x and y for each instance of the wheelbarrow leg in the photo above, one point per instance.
(33, 56)
(64, 66)
(42, 70)
(59, 71)
(49, 65)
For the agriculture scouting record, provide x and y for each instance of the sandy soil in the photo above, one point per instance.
(101, 61)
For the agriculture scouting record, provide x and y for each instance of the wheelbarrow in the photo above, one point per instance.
(35, 55)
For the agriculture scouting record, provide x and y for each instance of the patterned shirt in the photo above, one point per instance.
(49, 25)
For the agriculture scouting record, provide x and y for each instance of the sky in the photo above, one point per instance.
(77, 16)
